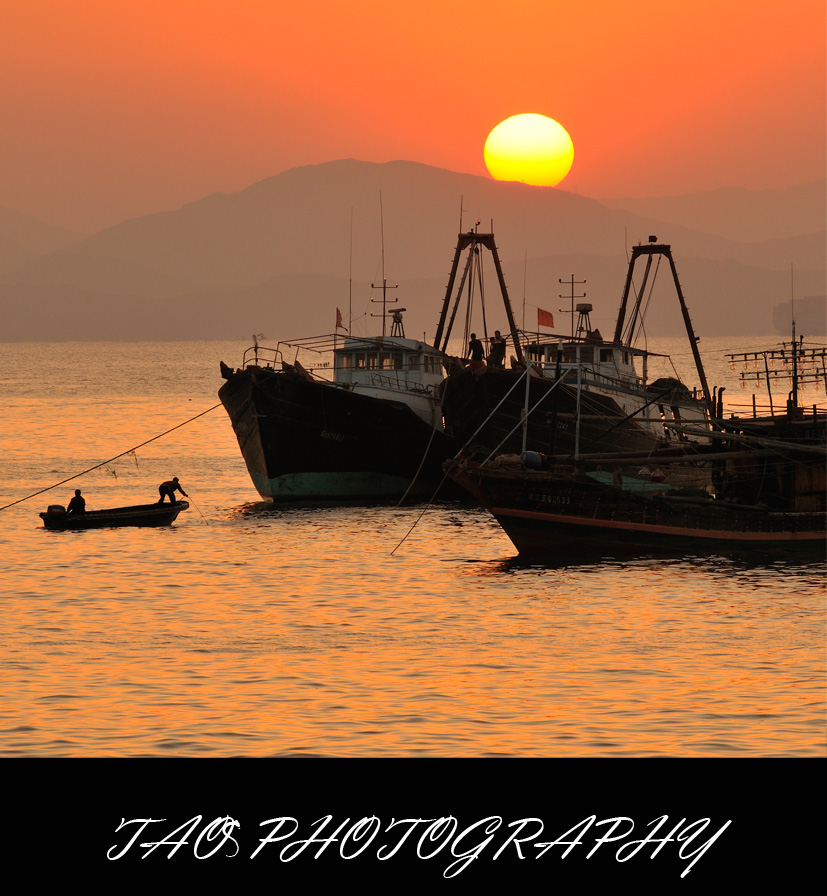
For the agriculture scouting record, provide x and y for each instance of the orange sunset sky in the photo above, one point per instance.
(117, 109)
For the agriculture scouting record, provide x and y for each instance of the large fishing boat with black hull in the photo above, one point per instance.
(586, 393)
(351, 418)
(371, 432)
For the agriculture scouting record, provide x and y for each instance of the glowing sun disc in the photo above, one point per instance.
(529, 148)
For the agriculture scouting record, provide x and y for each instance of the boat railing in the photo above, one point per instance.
(290, 350)
(594, 377)
(261, 356)
(317, 361)
(613, 384)
(397, 383)
(535, 344)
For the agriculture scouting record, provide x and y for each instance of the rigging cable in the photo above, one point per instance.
(642, 329)
(470, 301)
(103, 463)
(482, 298)
(637, 321)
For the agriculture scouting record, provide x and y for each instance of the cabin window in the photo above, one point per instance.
(347, 361)
(398, 361)
(371, 362)
(413, 362)
(360, 362)
(605, 354)
(586, 353)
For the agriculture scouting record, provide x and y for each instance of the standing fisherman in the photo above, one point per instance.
(496, 355)
(169, 488)
(476, 353)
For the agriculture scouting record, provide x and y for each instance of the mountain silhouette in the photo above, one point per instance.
(280, 256)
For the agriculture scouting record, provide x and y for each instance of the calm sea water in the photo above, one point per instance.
(248, 630)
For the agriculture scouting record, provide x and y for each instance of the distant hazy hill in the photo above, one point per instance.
(282, 255)
(737, 214)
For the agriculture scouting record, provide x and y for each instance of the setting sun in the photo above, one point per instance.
(529, 148)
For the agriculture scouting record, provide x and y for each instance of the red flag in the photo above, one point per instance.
(544, 318)
(339, 321)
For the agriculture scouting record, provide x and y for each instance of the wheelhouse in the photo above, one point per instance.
(363, 361)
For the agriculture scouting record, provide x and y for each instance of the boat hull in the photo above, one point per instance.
(135, 515)
(469, 398)
(549, 516)
(305, 440)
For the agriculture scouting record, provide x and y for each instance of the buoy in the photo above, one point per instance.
(532, 459)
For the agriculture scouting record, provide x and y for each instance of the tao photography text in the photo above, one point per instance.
(444, 841)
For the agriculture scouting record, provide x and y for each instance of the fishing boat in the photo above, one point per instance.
(155, 514)
(586, 393)
(370, 431)
(755, 483)
(348, 418)
(550, 514)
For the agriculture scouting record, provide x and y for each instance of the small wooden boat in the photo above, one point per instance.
(137, 515)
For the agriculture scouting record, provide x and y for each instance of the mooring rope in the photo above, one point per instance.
(105, 462)
(424, 511)
(419, 469)
(479, 429)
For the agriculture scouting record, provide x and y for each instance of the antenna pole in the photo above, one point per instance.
(385, 286)
(560, 295)
(792, 294)
(384, 301)
(382, 232)
(525, 274)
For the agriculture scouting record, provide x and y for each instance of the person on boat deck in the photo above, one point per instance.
(169, 488)
(496, 357)
(475, 352)
(77, 504)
